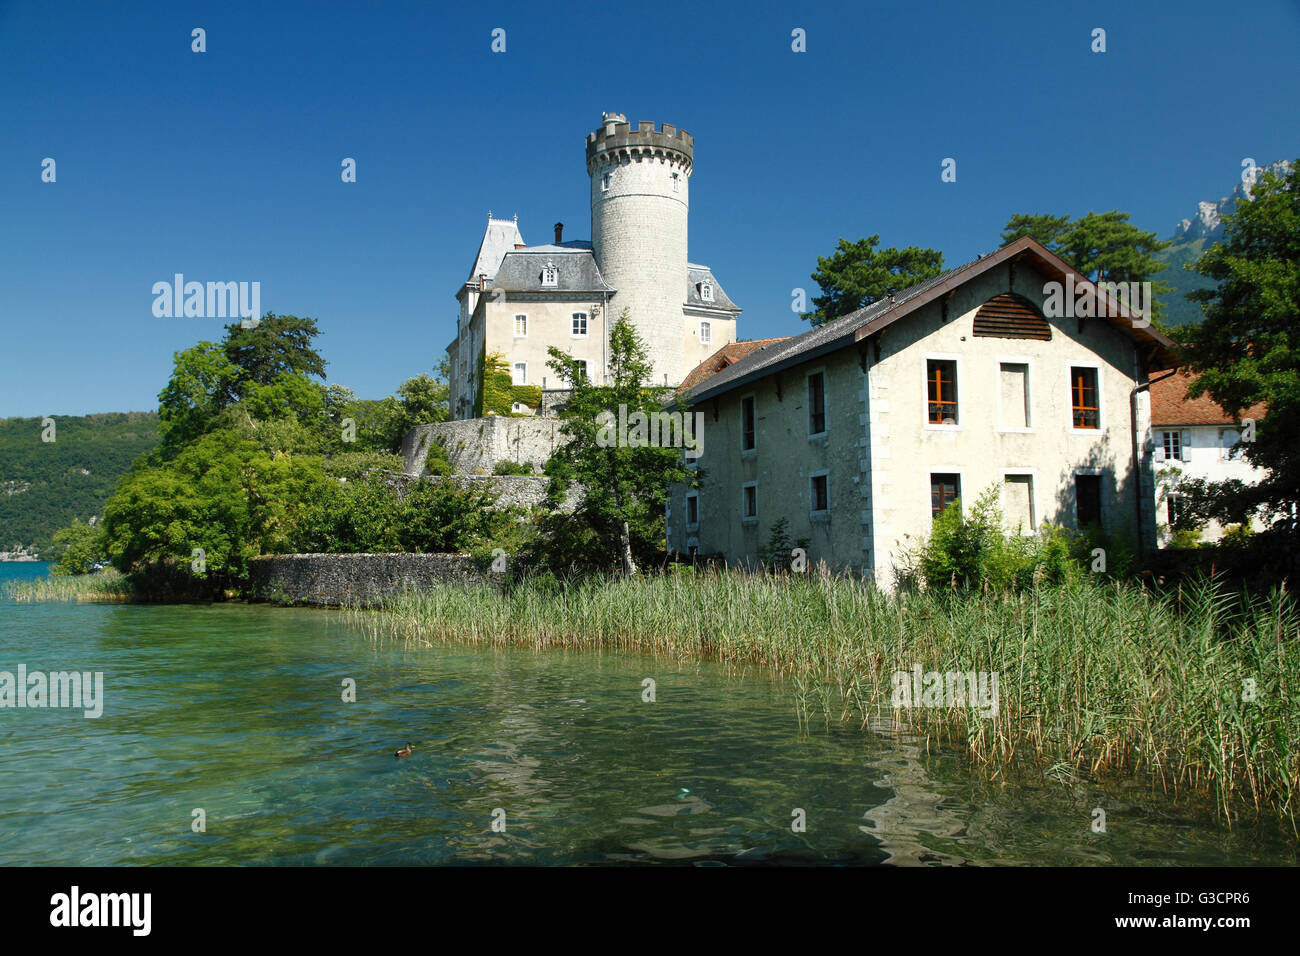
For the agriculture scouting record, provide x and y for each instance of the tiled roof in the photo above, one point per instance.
(727, 355)
(1171, 406)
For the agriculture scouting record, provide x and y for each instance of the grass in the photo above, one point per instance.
(105, 586)
(1095, 680)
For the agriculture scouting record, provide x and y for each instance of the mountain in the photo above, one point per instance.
(1192, 237)
(45, 485)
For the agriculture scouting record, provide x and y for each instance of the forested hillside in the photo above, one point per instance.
(45, 485)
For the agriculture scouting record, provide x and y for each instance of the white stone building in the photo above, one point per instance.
(860, 431)
(520, 299)
(1195, 438)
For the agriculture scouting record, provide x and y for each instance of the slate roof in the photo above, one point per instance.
(1171, 406)
(521, 270)
(695, 275)
(855, 326)
(500, 237)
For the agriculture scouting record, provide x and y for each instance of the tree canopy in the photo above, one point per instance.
(859, 273)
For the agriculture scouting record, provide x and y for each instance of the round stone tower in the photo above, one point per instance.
(640, 198)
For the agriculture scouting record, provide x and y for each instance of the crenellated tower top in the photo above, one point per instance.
(619, 142)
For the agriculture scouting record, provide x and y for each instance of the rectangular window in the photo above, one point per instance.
(941, 384)
(706, 334)
(581, 365)
(692, 510)
(1087, 499)
(816, 403)
(1084, 398)
(1018, 503)
(749, 501)
(1227, 438)
(944, 490)
(579, 324)
(604, 182)
(747, 424)
(818, 493)
(1171, 446)
(521, 326)
(1014, 383)
(520, 376)
(1174, 506)
(550, 275)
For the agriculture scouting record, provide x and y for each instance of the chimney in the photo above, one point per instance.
(559, 231)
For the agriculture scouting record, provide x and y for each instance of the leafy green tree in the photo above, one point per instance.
(202, 381)
(222, 494)
(278, 344)
(624, 485)
(859, 273)
(83, 547)
(1247, 351)
(1047, 229)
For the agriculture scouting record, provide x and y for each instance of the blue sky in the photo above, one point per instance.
(225, 165)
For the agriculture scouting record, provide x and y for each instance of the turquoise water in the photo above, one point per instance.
(237, 710)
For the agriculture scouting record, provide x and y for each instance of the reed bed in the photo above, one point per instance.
(1193, 689)
(103, 586)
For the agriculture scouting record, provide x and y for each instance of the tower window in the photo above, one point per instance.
(550, 275)
(706, 333)
(604, 183)
(706, 291)
(676, 182)
(579, 324)
(521, 326)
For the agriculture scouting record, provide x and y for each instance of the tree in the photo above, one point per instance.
(624, 483)
(859, 274)
(83, 548)
(278, 344)
(1247, 351)
(1100, 246)
(202, 382)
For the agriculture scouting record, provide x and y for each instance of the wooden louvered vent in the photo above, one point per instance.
(1010, 316)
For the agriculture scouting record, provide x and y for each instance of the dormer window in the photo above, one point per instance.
(550, 275)
(706, 291)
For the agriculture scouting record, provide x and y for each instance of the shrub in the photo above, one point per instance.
(513, 468)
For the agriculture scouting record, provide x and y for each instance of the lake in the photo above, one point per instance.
(237, 711)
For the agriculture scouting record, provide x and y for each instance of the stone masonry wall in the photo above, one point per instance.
(475, 445)
(343, 580)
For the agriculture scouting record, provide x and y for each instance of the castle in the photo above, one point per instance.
(520, 299)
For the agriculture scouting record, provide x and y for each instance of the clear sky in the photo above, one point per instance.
(225, 165)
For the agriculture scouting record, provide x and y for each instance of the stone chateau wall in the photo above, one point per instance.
(475, 445)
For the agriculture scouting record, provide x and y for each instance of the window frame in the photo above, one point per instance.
(956, 361)
(744, 487)
(706, 332)
(550, 275)
(518, 316)
(1032, 475)
(1095, 368)
(706, 291)
(753, 431)
(813, 511)
(692, 497)
(1028, 363)
(826, 418)
(573, 322)
(1179, 434)
(1225, 449)
(1098, 473)
(514, 368)
(929, 486)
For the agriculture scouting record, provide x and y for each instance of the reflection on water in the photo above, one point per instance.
(238, 710)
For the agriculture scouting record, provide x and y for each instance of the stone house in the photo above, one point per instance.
(858, 432)
(1194, 438)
